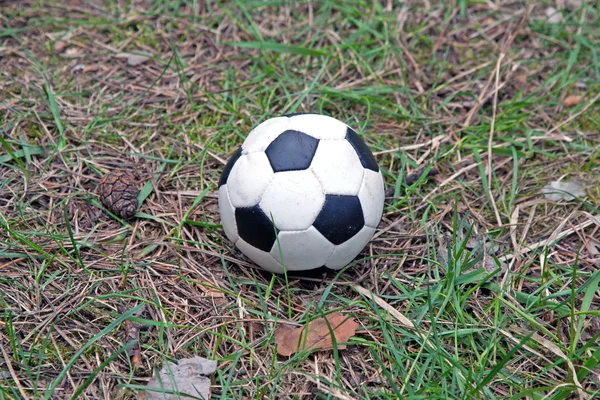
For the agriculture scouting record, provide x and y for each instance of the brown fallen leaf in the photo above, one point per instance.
(316, 334)
(210, 289)
(59, 46)
(520, 79)
(572, 100)
(72, 52)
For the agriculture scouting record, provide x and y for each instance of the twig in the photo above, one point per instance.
(491, 139)
(557, 236)
(407, 323)
(450, 179)
(478, 103)
(435, 141)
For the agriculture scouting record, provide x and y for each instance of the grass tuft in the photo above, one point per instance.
(474, 286)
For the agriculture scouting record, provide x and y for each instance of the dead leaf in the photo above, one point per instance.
(315, 335)
(488, 21)
(188, 379)
(521, 79)
(557, 191)
(135, 59)
(72, 52)
(59, 46)
(572, 100)
(210, 289)
(553, 15)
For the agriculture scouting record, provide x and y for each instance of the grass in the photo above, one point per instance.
(477, 286)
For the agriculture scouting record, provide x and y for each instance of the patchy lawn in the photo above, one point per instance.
(476, 285)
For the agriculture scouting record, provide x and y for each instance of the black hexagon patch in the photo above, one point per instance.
(340, 218)
(255, 227)
(364, 153)
(291, 151)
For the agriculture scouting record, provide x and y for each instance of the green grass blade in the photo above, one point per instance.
(53, 105)
(57, 381)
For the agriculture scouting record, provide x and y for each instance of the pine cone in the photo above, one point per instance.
(118, 193)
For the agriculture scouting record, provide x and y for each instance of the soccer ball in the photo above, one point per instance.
(302, 192)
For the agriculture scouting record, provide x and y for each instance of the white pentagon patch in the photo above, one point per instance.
(262, 136)
(249, 177)
(261, 258)
(227, 212)
(338, 167)
(347, 251)
(294, 199)
(318, 126)
(294, 246)
(372, 196)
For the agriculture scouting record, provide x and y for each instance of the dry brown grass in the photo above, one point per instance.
(425, 84)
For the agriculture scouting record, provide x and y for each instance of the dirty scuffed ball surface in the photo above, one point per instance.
(302, 192)
(118, 193)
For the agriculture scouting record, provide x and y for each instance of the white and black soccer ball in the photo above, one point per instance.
(302, 192)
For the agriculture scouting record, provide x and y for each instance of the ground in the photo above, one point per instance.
(475, 284)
